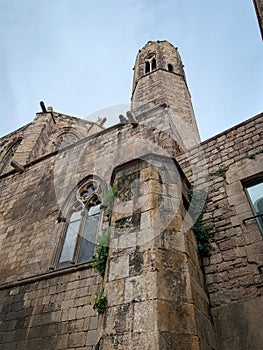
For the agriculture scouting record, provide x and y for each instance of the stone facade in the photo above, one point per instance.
(161, 293)
(234, 270)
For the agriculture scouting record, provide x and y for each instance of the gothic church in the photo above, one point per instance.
(137, 236)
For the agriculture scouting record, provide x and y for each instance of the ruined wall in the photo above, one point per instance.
(223, 164)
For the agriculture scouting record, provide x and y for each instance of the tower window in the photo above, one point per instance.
(153, 63)
(81, 227)
(150, 63)
(170, 67)
(147, 67)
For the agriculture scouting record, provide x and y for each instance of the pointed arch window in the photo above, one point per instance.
(153, 63)
(81, 227)
(170, 67)
(9, 154)
(147, 67)
(150, 63)
(65, 140)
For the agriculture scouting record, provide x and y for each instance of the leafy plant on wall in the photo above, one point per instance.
(201, 230)
(100, 302)
(101, 252)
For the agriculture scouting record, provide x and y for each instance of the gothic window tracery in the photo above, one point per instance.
(81, 228)
(150, 63)
(65, 140)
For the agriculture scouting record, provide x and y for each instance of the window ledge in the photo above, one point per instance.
(47, 275)
(252, 217)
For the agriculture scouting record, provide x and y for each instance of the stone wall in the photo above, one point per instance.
(222, 165)
(28, 230)
(160, 294)
(45, 132)
(49, 308)
(31, 201)
(155, 285)
(52, 311)
(43, 136)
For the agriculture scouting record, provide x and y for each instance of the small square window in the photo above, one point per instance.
(255, 194)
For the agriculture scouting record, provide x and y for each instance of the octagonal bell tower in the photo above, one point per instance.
(160, 94)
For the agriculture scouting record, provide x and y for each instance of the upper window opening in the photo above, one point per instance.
(9, 155)
(255, 193)
(82, 227)
(150, 63)
(65, 140)
(147, 67)
(153, 63)
(170, 67)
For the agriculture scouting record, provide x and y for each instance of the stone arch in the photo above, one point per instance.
(9, 154)
(81, 218)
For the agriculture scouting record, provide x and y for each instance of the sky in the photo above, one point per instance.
(78, 55)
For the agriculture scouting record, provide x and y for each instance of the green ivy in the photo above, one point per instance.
(201, 231)
(109, 197)
(219, 172)
(100, 303)
(254, 155)
(101, 252)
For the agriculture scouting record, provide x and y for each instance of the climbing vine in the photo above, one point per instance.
(100, 302)
(201, 230)
(109, 198)
(102, 250)
(101, 253)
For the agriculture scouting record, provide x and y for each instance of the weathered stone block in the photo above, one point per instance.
(119, 267)
(236, 324)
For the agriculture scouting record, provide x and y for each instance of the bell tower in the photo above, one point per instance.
(160, 94)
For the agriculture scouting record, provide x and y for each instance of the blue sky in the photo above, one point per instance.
(77, 55)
